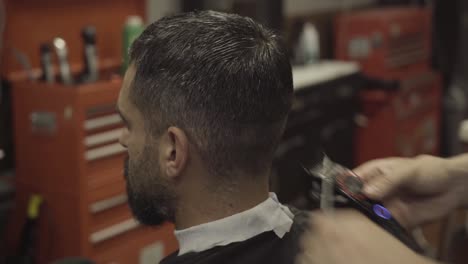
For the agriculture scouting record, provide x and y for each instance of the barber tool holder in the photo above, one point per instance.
(66, 138)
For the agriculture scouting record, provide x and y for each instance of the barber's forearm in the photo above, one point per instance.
(457, 167)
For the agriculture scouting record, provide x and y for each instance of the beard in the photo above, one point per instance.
(150, 196)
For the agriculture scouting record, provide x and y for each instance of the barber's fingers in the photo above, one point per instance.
(383, 177)
(374, 168)
(387, 183)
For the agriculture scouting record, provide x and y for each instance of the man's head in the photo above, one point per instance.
(206, 93)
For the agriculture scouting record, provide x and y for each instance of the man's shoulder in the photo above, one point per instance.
(300, 223)
(301, 217)
(263, 248)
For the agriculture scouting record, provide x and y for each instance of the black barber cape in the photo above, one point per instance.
(264, 248)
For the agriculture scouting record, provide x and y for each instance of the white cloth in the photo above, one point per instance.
(266, 216)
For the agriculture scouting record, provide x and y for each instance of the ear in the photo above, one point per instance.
(175, 152)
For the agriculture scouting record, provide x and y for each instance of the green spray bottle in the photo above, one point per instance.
(132, 29)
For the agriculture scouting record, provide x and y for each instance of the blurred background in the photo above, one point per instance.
(372, 79)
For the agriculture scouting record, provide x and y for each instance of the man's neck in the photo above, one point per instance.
(210, 205)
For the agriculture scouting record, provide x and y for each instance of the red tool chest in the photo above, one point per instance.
(393, 44)
(387, 42)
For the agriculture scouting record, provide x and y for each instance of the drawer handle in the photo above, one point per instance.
(105, 151)
(100, 122)
(106, 204)
(104, 137)
(113, 231)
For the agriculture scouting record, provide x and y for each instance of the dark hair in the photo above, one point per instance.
(222, 78)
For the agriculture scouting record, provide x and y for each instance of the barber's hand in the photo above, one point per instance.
(348, 237)
(415, 190)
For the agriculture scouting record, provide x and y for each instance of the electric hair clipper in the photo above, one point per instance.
(347, 192)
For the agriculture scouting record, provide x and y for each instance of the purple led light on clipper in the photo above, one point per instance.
(382, 211)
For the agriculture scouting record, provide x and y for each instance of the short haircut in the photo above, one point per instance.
(222, 78)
